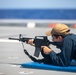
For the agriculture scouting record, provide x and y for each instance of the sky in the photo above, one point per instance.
(37, 4)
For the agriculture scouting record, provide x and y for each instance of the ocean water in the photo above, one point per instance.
(68, 14)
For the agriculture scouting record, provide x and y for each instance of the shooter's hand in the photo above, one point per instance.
(30, 41)
(46, 49)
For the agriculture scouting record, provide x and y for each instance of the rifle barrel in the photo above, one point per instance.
(13, 38)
